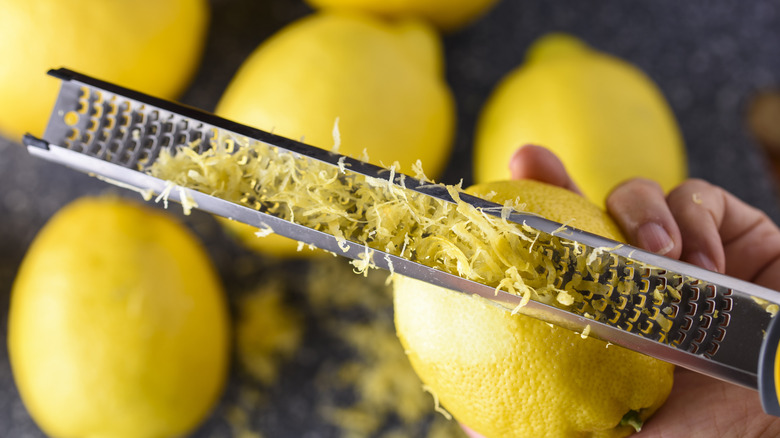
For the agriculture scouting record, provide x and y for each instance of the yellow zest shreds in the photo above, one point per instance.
(365, 262)
(342, 164)
(453, 237)
(267, 332)
(419, 174)
(696, 197)
(238, 414)
(770, 307)
(594, 255)
(336, 136)
(386, 397)
(565, 298)
(390, 268)
(163, 196)
(266, 230)
(506, 211)
(436, 406)
(187, 203)
(562, 227)
(586, 332)
(673, 292)
(146, 194)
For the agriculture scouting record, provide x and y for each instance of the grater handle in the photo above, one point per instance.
(769, 369)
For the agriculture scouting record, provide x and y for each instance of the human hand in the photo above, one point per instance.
(701, 224)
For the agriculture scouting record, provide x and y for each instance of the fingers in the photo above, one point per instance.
(640, 209)
(697, 222)
(699, 208)
(538, 163)
(470, 433)
(739, 239)
(701, 224)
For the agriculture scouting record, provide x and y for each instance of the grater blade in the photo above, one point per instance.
(665, 308)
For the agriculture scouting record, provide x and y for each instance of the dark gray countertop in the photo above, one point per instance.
(709, 58)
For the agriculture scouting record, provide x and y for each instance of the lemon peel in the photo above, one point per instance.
(509, 375)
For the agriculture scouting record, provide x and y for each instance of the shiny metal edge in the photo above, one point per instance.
(129, 178)
(743, 290)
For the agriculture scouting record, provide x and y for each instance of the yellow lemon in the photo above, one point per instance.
(118, 324)
(448, 15)
(351, 80)
(149, 45)
(515, 376)
(603, 117)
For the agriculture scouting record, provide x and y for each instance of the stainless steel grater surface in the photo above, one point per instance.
(671, 310)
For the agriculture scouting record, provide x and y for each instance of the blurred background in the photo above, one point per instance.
(717, 63)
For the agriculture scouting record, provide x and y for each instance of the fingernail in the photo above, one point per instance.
(701, 259)
(654, 238)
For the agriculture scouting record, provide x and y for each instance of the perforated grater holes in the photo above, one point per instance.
(643, 300)
(701, 315)
(83, 100)
(728, 342)
(143, 153)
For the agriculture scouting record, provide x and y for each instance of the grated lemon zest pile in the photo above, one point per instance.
(238, 418)
(385, 395)
(268, 332)
(380, 215)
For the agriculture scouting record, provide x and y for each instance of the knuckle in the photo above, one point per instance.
(693, 189)
(640, 186)
(632, 189)
(695, 184)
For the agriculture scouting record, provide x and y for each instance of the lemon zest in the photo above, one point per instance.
(436, 406)
(165, 193)
(585, 332)
(336, 136)
(265, 231)
(382, 215)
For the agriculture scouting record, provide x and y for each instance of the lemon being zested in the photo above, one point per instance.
(153, 46)
(352, 81)
(508, 375)
(118, 325)
(604, 118)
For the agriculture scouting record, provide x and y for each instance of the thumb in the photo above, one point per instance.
(538, 163)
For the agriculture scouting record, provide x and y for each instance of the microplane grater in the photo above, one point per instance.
(665, 308)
